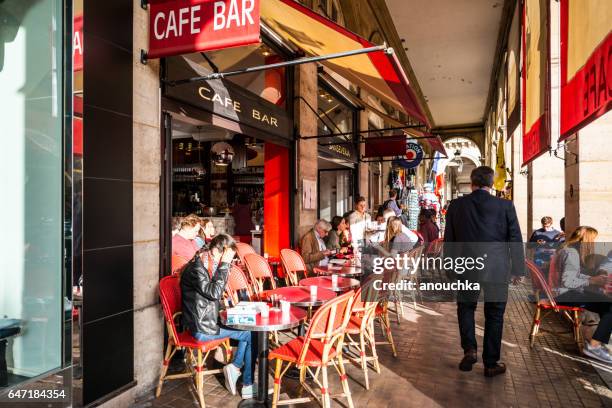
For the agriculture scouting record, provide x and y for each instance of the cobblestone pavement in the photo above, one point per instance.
(425, 373)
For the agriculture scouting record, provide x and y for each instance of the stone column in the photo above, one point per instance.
(148, 320)
(588, 187)
(306, 150)
(545, 191)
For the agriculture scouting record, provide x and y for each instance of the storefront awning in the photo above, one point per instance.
(377, 72)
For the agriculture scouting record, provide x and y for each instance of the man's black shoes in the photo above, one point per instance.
(469, 359)
(498, 369)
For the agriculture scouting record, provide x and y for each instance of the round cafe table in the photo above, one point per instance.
(325, 282)
(340, 270)
(275, 321)
(300, 295)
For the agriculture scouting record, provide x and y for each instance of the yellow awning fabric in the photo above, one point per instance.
(376, 72)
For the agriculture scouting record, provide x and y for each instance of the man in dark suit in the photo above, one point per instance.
(480, 225)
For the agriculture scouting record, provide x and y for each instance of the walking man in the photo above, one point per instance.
(480, 225)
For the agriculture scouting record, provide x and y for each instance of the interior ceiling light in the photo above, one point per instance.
(222, 154)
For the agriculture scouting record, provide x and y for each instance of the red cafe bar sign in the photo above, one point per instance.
(186, 26)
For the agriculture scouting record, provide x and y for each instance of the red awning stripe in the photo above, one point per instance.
(385, 71)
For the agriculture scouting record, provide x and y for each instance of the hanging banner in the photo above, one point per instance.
(513, 79)
(385, 146)
(499, 181)
(586, 62)
(536, 79)
(186, 26)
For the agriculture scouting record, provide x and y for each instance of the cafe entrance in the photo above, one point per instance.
(227, 147)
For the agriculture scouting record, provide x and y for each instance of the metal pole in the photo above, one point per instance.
(365, 141)
(365, 131)
(304, 60)
(388, 160)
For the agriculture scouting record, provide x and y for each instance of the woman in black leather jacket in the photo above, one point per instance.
(202, 285)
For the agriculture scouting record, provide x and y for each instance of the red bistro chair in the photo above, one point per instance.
(177, 264)
(361, 324)
(382, 309)
(170, 295)
(242, 249)
(259, 271)
(321, 346)
(547, 304)
(434, 248)
(237, 282)
(293, 264)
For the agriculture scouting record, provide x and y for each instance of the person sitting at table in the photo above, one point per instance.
(203, 282)
(396, 241)
(183, 243)
(572, 288)
(380, 237)
(176, 225)
(312, 245)
(336, 235)
(346, 239)
(379, 226)
(427, 225)
(206, 233)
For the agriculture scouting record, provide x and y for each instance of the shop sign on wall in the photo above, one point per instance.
(309, 194)
(186, 26)
(414, 156)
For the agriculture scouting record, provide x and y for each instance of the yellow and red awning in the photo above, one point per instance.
(377, 72)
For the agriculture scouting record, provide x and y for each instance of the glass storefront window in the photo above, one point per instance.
(31, 209)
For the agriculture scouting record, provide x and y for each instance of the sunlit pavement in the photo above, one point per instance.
(425, 372)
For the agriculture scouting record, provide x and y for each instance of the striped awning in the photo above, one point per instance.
(379, 73)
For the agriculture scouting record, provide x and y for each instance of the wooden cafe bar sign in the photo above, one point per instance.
(186, 26)
(228, 100)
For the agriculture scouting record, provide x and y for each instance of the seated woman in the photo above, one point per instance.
(396, 241)
(570, 262)
(337, 238)
(183, 242)
(207, 232)
(202, 285)
(427, 225)
(176, 225)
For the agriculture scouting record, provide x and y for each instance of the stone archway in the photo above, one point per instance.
(466, 152)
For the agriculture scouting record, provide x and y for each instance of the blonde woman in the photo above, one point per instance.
(396, 241)
(570, 262)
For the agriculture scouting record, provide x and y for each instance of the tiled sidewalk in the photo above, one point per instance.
(425, 372)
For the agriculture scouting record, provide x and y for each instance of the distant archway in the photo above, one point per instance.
(466, 148)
